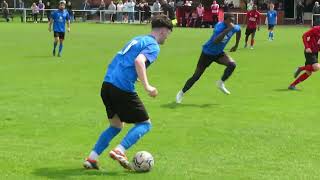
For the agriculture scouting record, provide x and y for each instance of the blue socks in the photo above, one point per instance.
(270, 35)
(105, 138)
(135, 134)
(54, 46)
(60, 48)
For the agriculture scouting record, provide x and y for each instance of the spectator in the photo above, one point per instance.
(102, 7)
(231, 5)
(225, 6)
(41, 7)
(215, 12)
(316, 10)
(119, 11)
(156, 7)
(5, 10)
(141, 11)
(21, 7)
(250, 5)
(130, 8)
(69, 9)
(168, 10)
(35, 12)
(171, 3)
(193, 19)
(125, 11)
(48, 7)
(200, 12)
(147, 12)
(300, 10)
(112, 8)
(86, 6)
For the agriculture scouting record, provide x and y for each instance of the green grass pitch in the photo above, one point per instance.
(51, 113)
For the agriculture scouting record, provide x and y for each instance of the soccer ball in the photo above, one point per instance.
(142, 161)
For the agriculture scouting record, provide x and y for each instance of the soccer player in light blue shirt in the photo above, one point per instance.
(213, 51)
(271, 21)
(119, 96)
(59, 18)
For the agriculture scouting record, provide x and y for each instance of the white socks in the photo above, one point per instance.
(93, 155)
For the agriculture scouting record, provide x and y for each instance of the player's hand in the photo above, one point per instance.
(68, 29)
(231, 25)
(234, 48)
(49, 29)
(308, 50)
(152, 91)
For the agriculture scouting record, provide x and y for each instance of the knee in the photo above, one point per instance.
(316, 67)
(147, 125)
(232, 65)
(117, 124)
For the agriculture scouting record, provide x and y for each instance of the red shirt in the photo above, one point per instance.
(311, 39)
(253, 18)
(215, 9)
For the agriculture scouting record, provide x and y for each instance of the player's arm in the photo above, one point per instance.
(140, 64)
(68, 25)
(50, 24)
(68, 22)
(238, 37)
(307, 40)
(221, 36)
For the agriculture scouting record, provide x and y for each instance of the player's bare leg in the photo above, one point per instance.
(252, 40)
(190, 82)
(230, 66)
(309, 69)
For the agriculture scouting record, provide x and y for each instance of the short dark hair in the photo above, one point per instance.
(228, 16)
(160, 21)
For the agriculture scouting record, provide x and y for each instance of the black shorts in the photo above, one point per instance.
(311, 58)
(59, 34)
(205, 60)
(126, 105)
(250, 31)
(270, 26)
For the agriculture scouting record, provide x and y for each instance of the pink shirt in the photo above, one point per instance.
(215, 8)
(200, 11)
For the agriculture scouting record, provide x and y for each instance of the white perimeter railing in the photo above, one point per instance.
(101, 13)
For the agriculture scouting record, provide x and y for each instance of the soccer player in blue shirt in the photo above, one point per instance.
(59, 18)
(271, 21)
(213, 51)
(118, 93)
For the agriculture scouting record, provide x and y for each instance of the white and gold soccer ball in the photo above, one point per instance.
(143, 161)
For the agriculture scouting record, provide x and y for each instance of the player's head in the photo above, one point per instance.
(254, 7)
(271, 6)
(316, 3)
(214, 2)
(161, 27)
(228, 18)
(62, 4)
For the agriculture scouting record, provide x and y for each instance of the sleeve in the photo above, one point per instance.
(307, 38)
(68, 16)
(236, 28)
(151, 52)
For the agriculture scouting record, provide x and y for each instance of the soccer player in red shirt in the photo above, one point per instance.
(215, 12)
(253, 22)
(311, 41)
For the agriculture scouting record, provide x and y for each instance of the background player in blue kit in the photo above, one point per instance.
(59, 18)
(121, 101)
(213, 51)
(271, 21)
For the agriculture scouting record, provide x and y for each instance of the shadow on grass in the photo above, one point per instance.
(286, 90)
(59, 173)
(174, 105)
